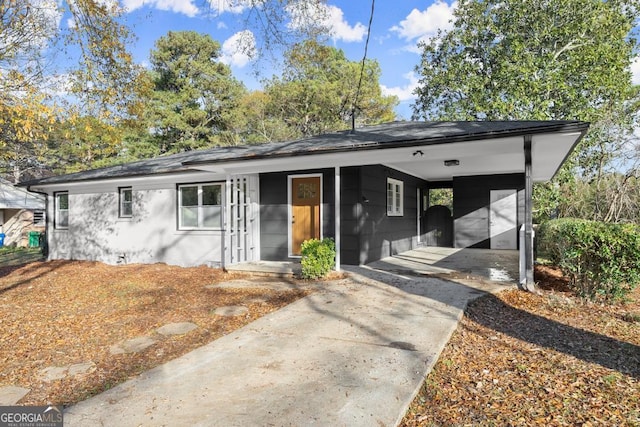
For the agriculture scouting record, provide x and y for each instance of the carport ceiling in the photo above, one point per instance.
(486, 157)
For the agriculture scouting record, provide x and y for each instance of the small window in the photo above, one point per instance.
(38, 218)
(61, 201)
(126, 202)
(394, 197)
(200, 206)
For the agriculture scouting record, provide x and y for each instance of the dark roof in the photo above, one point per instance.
(389, 135)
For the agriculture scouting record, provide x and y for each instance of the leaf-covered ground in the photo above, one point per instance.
(62, 313)
(522, 359)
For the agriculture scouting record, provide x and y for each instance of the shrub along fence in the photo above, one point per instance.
(602, 260)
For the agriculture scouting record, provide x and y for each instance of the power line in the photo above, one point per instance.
(364, 57)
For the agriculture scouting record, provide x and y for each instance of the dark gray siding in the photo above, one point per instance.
(367, 233)
(351, 212)
(471, 200)
(274, 220)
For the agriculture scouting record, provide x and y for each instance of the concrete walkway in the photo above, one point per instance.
(353, 354)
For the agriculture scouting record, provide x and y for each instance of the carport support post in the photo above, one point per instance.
(336, 199)
(529, 283)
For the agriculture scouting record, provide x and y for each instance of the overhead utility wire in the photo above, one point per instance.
(364, 57)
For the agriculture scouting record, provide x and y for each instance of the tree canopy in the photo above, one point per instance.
(546, 60)
(193, 94)
(101, 77)
(320, 87)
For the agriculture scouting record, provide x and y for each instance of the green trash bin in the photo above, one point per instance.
(34, 239)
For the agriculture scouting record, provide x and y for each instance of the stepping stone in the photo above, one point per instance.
(53, 373)
(176, 328)
(231, 310)
(133, 345)
(81, 368)
(11, 394)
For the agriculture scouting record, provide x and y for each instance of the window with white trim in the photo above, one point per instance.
(200, 206)
(125, 195)
(395, 197)
(61, 202)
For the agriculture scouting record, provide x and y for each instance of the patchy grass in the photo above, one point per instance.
(13, 256)
(62, 313)
(551, 359)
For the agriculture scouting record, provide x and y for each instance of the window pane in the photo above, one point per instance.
(63, 201)
(126, 209)
(126, 203)
(189, 217)
(211, 195)
(212, 217)
(63, 218)
(398, 199)
(189, 196)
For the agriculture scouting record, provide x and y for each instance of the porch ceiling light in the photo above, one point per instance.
(451, 162)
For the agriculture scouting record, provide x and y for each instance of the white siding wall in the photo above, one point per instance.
(96, 233)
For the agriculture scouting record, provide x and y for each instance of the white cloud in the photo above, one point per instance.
(422, 25)
(404, 93)
(186, 7)
(340, 28)
(635, 71)
(232, 6)
(239, 49)
(328, 16)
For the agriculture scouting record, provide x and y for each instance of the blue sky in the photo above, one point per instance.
(396, 29)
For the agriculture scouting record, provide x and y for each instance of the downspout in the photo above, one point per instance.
(45, 249)
(337, 224)
(529, 283)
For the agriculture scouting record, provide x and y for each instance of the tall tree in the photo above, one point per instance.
(553, 59)
(543, 60)
(102, 81)
(194, 94)
(320, 88)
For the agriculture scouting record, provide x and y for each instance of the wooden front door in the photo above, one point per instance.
(305, 211)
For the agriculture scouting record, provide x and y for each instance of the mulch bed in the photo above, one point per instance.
(62, 313)
(551, 359)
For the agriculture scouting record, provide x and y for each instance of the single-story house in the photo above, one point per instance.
(20, 213)
(366, 188)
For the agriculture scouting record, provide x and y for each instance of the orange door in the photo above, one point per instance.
(305, 211)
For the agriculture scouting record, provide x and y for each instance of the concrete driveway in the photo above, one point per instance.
(353, 354)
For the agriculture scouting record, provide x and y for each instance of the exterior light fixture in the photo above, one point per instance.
(451, 162)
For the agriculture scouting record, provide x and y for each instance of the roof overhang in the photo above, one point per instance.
(426, 160)
(434, 151)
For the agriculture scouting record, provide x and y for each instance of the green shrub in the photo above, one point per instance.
(318, 258)
(602, 260)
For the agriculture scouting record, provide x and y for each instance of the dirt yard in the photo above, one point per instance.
(63, 319)
(552, 359)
